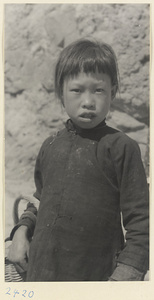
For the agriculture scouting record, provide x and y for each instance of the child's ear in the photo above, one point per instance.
(113, 91)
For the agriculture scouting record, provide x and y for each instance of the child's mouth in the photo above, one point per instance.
(89, 115)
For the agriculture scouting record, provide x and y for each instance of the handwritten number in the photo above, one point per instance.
(31, 294)
(9, 289)
(15, 292)
(24, 292)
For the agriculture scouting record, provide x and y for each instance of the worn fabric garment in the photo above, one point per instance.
(126, 273)
(84, 180)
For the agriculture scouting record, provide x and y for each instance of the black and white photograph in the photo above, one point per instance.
(77, 143)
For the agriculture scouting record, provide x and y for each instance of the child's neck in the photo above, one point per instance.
(71, 126)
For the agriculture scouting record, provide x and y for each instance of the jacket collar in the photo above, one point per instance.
(70, 126)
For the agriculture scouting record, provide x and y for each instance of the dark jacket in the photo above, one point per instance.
(84, 180)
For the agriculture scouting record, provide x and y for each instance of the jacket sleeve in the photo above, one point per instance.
(38, 177)
(28, 218)
(126, 273)
(133, 202)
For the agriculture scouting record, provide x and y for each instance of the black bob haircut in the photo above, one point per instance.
(88, 56)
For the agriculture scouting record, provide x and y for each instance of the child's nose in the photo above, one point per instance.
(88, 101)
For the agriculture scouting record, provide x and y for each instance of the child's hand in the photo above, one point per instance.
(19, 249)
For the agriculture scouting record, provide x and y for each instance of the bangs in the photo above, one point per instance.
(88, 61)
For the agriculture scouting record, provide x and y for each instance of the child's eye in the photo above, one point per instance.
(76, 91)
(99, 91)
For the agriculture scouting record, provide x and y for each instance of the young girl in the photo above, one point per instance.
(86, 176)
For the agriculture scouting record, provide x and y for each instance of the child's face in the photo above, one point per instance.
(87, 98)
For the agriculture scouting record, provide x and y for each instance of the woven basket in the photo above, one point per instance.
(12, 273)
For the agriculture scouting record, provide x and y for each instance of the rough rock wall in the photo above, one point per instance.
(34, 36)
